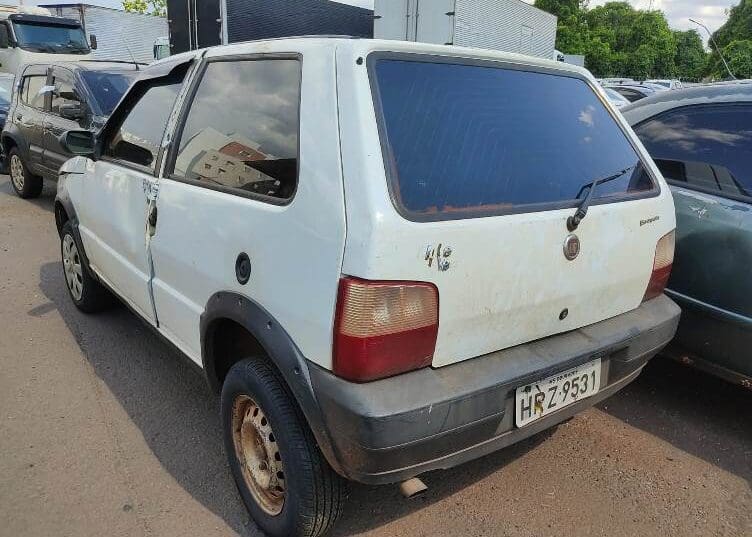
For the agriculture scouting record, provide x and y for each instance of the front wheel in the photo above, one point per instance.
(26, 184)
(86, 292)
(283, 479)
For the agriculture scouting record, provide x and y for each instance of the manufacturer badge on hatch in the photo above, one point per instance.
(571, 246)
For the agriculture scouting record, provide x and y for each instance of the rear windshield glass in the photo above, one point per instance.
(471, 140)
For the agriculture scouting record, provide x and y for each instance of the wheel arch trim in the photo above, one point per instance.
(280, 350)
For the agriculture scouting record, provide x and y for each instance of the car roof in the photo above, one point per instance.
(93, 65)
(359, 46)
(659, 102)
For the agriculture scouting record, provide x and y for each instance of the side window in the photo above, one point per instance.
(139, 135)
(65, 92)
(704, 147)
(30, 91)
(241, 131)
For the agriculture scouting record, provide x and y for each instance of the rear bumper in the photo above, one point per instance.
(393, 429)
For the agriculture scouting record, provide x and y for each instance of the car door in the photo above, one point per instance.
(119, 194)
(30, 113)
(705, 153)
(65, 93)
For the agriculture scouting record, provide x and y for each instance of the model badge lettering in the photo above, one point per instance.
(649, 220)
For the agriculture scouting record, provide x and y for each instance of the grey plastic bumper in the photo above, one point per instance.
(396, 428)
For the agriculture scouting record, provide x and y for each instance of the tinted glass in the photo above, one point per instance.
(30, 91)
(108, 88)
(6, 89)
(139, 136)
(51, 38)
(630, 94)
(705, 147)
(481, 140)
(65, 93)
(242, 128)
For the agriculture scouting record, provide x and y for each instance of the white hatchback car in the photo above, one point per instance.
(388, 257)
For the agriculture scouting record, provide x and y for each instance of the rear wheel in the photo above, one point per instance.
(26, 184)
(283, 479)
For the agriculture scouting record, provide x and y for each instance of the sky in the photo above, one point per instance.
(710, 12)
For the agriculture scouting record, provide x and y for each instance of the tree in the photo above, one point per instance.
(158, 7)
(738, 55)
(690, 58)
(733, 38)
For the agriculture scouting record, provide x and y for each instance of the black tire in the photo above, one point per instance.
(314, 493)
(86, 292)
(26, 184)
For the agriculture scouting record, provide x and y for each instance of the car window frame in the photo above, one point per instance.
(388, 160)
(73, 82)
(685, 185)
(172, 151)
(134, 94)
(42, 71)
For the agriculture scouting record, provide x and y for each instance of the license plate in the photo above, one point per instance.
(556, 392)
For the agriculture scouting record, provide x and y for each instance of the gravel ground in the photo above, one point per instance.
(106, 431)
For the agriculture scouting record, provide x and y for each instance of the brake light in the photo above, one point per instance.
(664, 259)
(383, 328)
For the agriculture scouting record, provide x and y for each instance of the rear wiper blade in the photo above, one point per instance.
(581, 212)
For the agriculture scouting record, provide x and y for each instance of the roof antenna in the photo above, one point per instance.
(133, 57)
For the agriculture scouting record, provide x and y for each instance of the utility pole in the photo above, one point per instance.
(718, 50)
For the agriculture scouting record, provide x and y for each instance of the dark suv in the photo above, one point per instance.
(49, 99)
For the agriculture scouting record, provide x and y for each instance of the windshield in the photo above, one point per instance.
(476, 140)
(108, 88)
(6, 89)
(52, 38)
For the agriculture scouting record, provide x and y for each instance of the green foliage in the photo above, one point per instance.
(735, 41)
(618, 40)
(158, 7)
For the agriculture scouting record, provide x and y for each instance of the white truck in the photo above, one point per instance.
(32, 34)
(508, 25)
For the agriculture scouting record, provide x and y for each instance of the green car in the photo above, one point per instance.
(701, 140)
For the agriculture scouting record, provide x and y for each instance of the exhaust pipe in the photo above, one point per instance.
(412, 488)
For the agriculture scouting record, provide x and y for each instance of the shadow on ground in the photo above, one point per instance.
(168, 400)
(695, 412)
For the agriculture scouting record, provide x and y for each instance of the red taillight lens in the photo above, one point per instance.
(664, 258)
(383, 328)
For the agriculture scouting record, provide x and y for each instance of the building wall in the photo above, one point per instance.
(510, 25)
(114, 28)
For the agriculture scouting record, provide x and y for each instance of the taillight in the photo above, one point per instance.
(664, 258)
(383, 328)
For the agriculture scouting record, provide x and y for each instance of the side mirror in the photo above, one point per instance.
(78, 142)
(93, 42)
(72, 111)
(47, 89)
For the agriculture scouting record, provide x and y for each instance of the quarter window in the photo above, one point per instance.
(139, 136)
(708, 148)
(30, 91)
(241, 132)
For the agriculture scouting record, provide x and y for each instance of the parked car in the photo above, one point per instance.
(635, 92)
(666, 83)
(364, 246)
(50, 99)
(615, 98)
(701, 139)
(615, 80)
(6, 90)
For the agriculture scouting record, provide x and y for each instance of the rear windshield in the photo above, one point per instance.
(465, 140)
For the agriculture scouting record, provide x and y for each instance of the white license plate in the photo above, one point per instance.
(556, 392)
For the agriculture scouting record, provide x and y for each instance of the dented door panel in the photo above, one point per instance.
(711, 278)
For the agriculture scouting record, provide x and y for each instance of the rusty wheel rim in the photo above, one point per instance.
(258, 454)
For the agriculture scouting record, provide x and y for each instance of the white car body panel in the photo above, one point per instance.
(295, 250)
(508, 279)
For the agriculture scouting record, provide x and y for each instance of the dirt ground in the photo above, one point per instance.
(105, 431)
